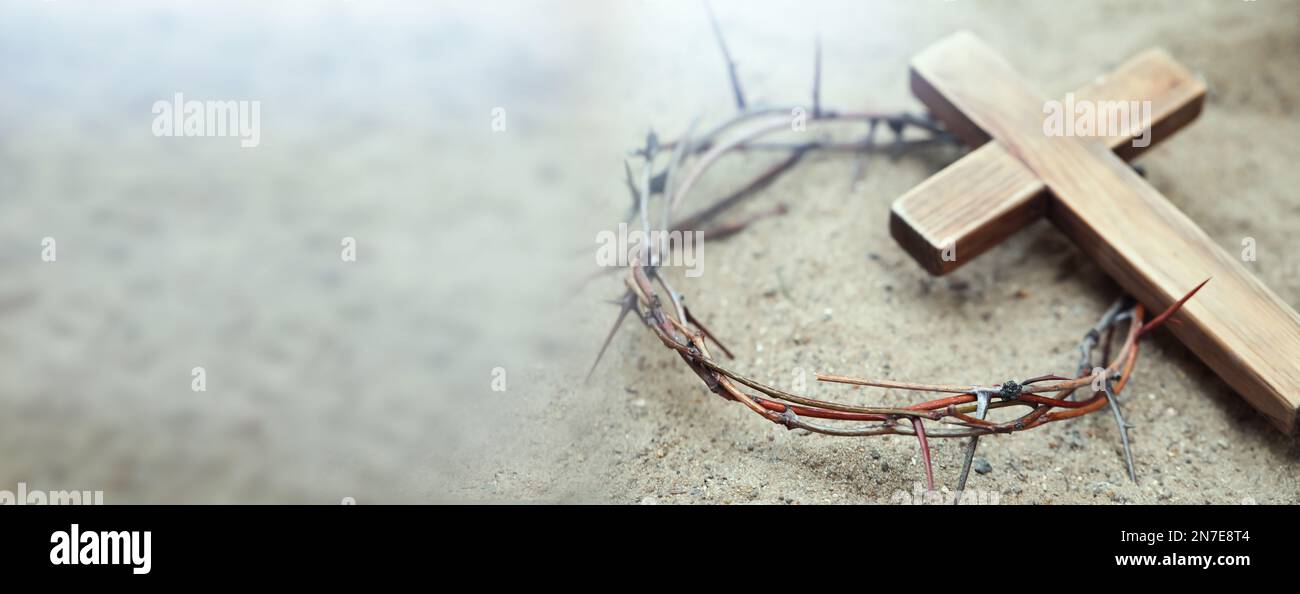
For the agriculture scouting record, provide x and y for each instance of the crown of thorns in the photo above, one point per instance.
(963, 411)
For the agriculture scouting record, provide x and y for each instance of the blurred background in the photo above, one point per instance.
(371, 380)
(325, 379)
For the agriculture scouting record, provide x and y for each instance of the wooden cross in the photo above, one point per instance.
(1019, 173)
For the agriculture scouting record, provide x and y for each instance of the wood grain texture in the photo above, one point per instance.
(1239, 328)
(988, 194)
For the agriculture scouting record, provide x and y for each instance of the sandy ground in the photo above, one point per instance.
(372, 379)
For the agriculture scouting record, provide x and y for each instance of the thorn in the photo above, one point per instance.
(981, 403)
(867, 144)
(925, 451)
(726, 55)
(817, 79)
(1172, 308)
(981, 409)
(965, 467)
(1123, 430)
(629, 303)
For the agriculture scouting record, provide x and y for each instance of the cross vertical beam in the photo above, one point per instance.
(1240, 329)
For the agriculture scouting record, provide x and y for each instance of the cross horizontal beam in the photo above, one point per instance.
(973, 204)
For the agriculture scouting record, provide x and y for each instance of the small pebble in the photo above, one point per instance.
(982, 466)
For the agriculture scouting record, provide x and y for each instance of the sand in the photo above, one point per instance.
(372, 380)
